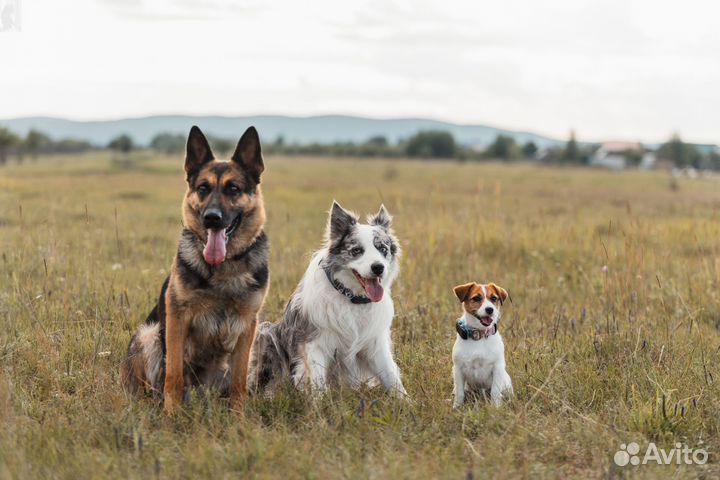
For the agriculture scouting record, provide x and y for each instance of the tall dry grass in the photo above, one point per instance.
(612, 336)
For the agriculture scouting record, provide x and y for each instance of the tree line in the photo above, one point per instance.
(428, 144)
(674, 151)
(35, 143)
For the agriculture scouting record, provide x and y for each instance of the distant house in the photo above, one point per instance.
(616, 156)
(649, 160)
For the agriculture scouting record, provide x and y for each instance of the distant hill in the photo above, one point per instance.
(299, 130)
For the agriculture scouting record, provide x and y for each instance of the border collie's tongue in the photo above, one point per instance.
(214, 251)
(373, 288)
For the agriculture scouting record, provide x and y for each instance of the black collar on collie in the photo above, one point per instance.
(345, 291)
(466, 332)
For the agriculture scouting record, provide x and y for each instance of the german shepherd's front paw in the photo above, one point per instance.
(171, 401)
(237, 402)
(169, 405)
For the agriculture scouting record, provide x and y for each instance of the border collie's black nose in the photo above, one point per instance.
(377, 268)
(212, 218)
(489, 310)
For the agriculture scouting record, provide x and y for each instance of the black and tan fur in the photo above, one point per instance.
(201, 331)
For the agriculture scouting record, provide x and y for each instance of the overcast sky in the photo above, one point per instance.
(609, 69)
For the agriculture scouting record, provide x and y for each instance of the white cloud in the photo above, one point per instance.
(623, 69)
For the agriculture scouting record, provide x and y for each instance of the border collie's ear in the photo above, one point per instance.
(462, 291)
(248, 154)
(382, 218)
(502, 293)
(198, 152)
(340, 221)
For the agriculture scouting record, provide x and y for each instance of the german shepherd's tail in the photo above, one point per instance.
(142, 370)
(267, 361)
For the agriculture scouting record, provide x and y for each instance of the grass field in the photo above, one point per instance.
(598, 356)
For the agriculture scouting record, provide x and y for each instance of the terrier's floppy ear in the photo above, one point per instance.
(462, 291)
(382, 218)
(198, 152)
(249, 155)
(502, 293)
(340, 222)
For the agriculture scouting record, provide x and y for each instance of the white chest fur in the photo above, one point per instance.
(356, 335)
(344, 329)
(477, 359)
(480, 364)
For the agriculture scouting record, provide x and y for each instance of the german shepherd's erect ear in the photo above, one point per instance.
(198, 152)
(248, 154)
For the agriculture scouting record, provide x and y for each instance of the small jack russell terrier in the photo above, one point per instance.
(479, 354)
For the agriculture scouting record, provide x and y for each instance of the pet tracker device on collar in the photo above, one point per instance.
(466, 332)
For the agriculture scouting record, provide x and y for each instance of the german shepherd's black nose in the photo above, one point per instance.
(213, 218)
(377, 268)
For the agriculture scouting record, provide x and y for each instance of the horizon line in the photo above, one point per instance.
(522, 131)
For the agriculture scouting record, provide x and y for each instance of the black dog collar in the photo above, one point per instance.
(466, 332)
(345, 291)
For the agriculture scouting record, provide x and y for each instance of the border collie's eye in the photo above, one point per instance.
(493, 299)
(356, 251)
(384, 250)
(477, 298)
(203, 189)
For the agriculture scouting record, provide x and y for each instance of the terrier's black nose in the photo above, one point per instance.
(377, 268)
(212, 218)
(489, 310)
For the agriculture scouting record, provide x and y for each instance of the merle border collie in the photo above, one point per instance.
(336, 325)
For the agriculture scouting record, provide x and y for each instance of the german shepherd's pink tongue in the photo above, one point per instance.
(214, 251)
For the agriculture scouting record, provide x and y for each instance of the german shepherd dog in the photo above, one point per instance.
(201, 331)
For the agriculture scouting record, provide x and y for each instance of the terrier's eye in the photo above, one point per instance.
(477, 298)
(494, 299)
(356, 251)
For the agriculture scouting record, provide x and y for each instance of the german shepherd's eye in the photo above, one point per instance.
(493, 299)
(203, 189)
(232, 189)
(357, 251)
(477, 298)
